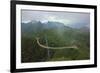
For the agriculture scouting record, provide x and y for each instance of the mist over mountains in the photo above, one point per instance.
(35, 26)
(54, 29)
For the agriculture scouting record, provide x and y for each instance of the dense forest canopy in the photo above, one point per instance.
(53, 34)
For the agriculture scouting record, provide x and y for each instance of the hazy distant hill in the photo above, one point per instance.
(31, 27)
(35, 26)
(79, 25)
(38, 24)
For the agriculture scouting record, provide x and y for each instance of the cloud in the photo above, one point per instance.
(63, 17)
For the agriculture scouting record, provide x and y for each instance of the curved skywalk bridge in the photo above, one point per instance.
(48, 47)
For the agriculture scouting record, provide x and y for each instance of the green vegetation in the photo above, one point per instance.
(54, 37)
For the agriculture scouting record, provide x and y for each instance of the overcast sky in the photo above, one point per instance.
(63, 17)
